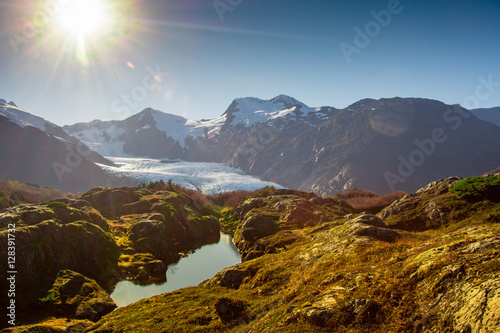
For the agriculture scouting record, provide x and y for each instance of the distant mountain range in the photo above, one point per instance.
(36, 150)
(492, 115)
(379, 145)
(156, 134)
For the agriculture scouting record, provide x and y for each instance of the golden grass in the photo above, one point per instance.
(368, 201)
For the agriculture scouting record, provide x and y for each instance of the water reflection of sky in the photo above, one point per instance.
(189, 271)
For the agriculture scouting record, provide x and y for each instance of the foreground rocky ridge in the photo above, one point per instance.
(430, 261)
(345, 272)
(105, 235)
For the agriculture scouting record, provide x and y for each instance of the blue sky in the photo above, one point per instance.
(440, 49)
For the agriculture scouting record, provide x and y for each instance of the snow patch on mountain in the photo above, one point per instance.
(21, 117)
(180, 128)
(206, 177)
(250, 110)
(105, 142)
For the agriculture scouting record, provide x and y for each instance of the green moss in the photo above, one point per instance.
(228, 222)
(52, 297)
(57, 204)
(477, 187)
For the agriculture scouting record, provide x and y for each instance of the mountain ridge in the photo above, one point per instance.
(489, 114)
(36, 150)
(384, 145)
(326, 150)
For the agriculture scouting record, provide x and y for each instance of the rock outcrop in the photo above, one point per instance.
(54, 236)
(157, 221)
(74, 296)
(105, 235)
(268, 223)
(345, 272)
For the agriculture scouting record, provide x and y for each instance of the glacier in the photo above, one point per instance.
(209, 178)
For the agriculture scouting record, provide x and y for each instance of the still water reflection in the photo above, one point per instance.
(190, 271)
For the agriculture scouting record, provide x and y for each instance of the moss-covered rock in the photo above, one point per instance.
(74, 296)
(267, 223)
(47, 240)
(143, 268)
(110, 201)
(348, 273)
(435, 206)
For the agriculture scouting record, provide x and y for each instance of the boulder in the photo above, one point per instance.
(370, 220)
(258, 226)
(76, 296)
(233, 278)
(382, 234)
(109, 201)
(33, 215)
(144, 268)
(138, 207)
(151, 237)
(45, 248)
(231, 310)
(301, 214)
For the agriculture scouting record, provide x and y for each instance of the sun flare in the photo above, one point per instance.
(83, 17)
(84, 22)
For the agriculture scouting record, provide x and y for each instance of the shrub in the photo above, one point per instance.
(7, 201)
(367, 201)
(477, 187)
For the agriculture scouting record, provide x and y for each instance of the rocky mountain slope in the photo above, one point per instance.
(380, 145)
(492, 115)
(430, 261)
(41, 152)
(383, 146)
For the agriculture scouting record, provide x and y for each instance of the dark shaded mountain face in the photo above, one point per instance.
(385, 145)
(22, 118)
(29, 154)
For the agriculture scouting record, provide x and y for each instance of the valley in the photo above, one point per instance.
(426, 261)
(337, 218)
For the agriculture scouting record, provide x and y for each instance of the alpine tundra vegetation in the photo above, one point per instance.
(428, 261)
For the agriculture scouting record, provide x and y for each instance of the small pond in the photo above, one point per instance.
(189, 271)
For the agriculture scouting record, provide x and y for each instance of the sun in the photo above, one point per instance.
(85, 23)
(83, 17)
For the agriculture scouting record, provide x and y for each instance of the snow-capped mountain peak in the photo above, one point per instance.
(23, 118)
(155, 133)
(250, 110)
(288, 101)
